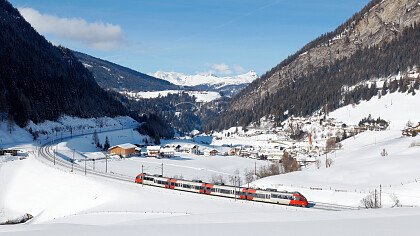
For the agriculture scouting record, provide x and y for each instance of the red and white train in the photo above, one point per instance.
(266, 195)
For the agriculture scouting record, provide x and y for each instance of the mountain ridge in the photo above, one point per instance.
(115, 77)
(375, 26)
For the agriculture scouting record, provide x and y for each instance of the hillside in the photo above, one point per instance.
(379, 41)
(40, 81)
(119, 78)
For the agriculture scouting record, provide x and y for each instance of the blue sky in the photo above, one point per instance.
(225, 37)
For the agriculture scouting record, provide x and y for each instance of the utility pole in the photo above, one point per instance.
(255, 168)
(142, 177)
(326, 158)
(72, 161)
(106, 163)
(234, 183)
(85, 164)
(93, 160)
(376, 200)
(380, 195)
(55, 150)
(162, 169)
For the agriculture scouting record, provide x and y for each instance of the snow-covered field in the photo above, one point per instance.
(189, 166)
(68, 203)
(201, 96)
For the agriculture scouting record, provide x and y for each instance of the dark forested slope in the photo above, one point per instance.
(381, 40)
(39, 81)
(112, 76)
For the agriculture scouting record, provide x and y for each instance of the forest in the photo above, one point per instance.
(39, 81)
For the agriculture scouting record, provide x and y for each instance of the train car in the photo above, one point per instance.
(249, 194)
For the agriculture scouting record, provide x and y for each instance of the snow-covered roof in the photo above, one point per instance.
(190, 146)
(153, 148)
(166, 150)
(124, 146)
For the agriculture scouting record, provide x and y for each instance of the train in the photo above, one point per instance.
(220, 190)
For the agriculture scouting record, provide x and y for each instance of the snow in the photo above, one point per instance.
(205, 78)
(68, 203)
(84, 143)
(18, 135)
(126, 145)
(201, 96)
(398, 108)
(29, 186)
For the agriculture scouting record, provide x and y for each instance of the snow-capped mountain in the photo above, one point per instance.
(206, 79)
(226, 85)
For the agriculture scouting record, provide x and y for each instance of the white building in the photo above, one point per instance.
(167, 152)
(153, 151)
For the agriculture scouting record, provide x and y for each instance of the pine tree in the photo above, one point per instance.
(106, 144)
(95, 138)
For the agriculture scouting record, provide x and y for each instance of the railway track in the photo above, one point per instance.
(45, 151)
(331, 207)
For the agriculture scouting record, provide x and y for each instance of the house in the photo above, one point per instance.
(124, 150)
(234, 151)
(210, 152)
(193, 149)
(178, 148)
(153, 151)
(412, 131)
(167, 152)
(275, 156)
(12, 152)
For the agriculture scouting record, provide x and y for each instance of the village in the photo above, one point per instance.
(305, 139)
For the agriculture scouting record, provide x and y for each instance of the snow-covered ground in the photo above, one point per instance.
(189, 166)
(70, 203)
(201, 96)
(398, 108)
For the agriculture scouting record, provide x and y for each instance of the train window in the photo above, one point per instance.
(198, 187)
(225, 191)
(258, 195)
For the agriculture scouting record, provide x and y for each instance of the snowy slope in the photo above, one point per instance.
(398, 108)
(359, 167)
(206, 79)
(96, 207)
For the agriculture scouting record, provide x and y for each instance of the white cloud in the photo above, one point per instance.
(222, 69)
(239, 69)
(97, 35)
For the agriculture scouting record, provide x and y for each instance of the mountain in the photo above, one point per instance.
(227, 85)
(40, 81)
(119, 78)
(379, 41)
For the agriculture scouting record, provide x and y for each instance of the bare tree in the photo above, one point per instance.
(329, 162)
(217, 179)
(289, 163)
(318, 163)
(371, 200)
(396, 202)
(384, 153)
(249, 176)
(330, 144)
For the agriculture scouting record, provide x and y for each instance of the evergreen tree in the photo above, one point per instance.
(106, 144)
